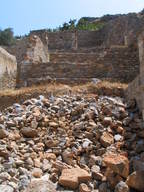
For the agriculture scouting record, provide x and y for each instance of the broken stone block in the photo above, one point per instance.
(118, 163)
(106, 139)
(71, 177)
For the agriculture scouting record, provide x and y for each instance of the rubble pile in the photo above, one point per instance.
(71, 143)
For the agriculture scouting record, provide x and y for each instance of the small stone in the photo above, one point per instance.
(50, 156)
(136, 180)
(67, 157)
(28, 132)
(37, 172)
(95, 168)
(84, 188)
(95, 160)
(53, 124)
(3, 133)
(40, 185)
(112, 178)
(34, 124)
(106, 139)
(6, 188)
(103, 187)
(86, 143)
(96, 173)
(37, 163)
(107, 121)
(24, 181)
(138, 165)
(118, 137)
(10, 124)
(121, 187)
(46, 166)
(53, 177)
(19, 162)
(98, 176)
(120, 129)
(13, 185)
(5, 176)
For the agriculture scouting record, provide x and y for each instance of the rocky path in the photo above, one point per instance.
(71, 143)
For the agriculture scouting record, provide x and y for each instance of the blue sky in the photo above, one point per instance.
(26, 15)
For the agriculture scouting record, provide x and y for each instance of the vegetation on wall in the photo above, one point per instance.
(83, 24)
(7, 37)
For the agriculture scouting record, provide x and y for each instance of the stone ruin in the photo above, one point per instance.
(8, 69)
(136, 87)
(72, 57)
(76, 142)
(80, 56)
(8, 63)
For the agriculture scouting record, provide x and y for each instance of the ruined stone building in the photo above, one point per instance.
(80, 56)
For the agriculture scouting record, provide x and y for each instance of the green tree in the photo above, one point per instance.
(7, 37)
(72, 24)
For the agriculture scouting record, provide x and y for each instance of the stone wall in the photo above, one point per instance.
(74, 56)
(123, 30)
(89, 39)
(114, 63)
(136, 87)
(8, 64)
(69, 40)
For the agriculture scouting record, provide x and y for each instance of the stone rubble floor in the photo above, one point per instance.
(72, 143)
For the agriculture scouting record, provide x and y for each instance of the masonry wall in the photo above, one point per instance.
(70, 40)
(136, 87)
(89, 39)
(123, 30)
(8, 64)
(72, 57)
(114, 63)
